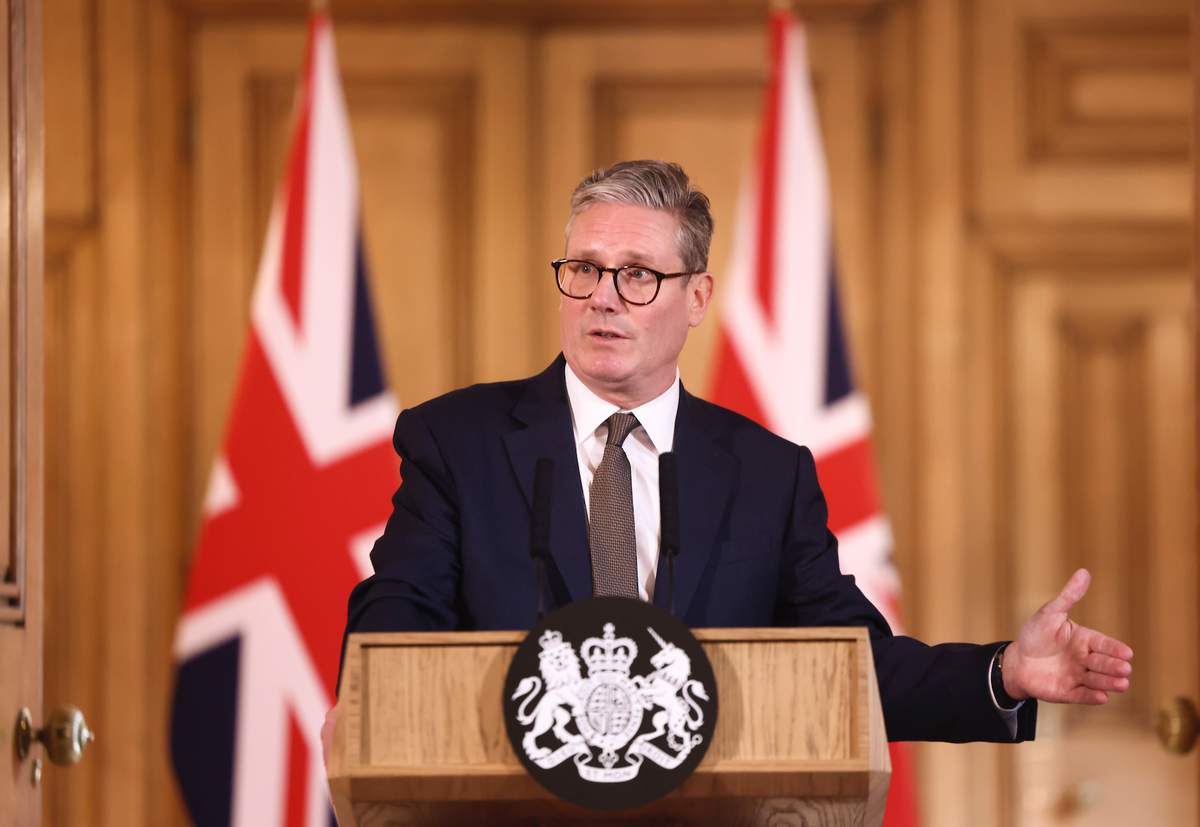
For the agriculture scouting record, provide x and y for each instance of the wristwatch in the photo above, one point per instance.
(1003, 699)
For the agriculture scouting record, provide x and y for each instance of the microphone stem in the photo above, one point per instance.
(671, 584)
(539, 575)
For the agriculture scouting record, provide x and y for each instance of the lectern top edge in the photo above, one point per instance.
(755, 635)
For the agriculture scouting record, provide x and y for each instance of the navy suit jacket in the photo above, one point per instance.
(755, 548)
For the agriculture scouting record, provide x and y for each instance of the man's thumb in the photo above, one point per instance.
(1071, 593)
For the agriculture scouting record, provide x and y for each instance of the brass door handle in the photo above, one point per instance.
(65, 735)
(1177, 725)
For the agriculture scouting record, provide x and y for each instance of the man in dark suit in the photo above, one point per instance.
(755, 548)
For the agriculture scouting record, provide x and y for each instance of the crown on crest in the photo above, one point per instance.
(552, 644)
(557, 654)
(610, 654)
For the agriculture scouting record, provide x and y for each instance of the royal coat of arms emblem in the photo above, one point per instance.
(608, 706)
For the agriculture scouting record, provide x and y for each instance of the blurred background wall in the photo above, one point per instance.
(1011, 189)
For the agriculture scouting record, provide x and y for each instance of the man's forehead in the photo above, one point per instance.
(629, 231)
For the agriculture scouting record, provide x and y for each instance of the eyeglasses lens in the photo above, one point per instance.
(579, 279)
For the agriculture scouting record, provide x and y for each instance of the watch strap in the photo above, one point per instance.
(1003, 699)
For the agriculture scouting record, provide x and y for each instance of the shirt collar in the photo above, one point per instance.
(657, 417)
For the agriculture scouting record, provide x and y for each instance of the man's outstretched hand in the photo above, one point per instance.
(327, 734)
(1054, 659)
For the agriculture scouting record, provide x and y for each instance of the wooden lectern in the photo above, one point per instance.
(420, 737)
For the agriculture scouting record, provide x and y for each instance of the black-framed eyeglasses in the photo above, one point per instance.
(637, 285)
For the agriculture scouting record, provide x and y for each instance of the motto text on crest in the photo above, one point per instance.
(608, 706)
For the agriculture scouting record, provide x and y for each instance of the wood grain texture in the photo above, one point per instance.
(1194, 539)
(727, 812)
(1101, 460)
(1115, 92)
(1062, 128)
(1193, 588)
(22, 333)
(1083, 329)
(539, 12)
(1086, 111)
(121, 513)
(421, 721)
(12, 563)
(935, 604)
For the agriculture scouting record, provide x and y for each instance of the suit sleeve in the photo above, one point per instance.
(417, 561)
(929, 693)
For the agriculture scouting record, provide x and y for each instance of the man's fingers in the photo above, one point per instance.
(1090, 697)
(1112, 647)
(327, 734)
(1105, 683)
(1071, 593)
(1105, 665)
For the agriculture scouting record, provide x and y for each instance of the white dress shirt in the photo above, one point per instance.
(654, 435)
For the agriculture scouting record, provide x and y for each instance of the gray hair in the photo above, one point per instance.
(658, 185)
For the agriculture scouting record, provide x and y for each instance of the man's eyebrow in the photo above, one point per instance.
(629, 256)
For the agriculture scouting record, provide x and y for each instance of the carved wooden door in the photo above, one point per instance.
(20, 413)
(1083, 325)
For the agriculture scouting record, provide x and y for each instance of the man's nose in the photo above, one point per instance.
(605, 295)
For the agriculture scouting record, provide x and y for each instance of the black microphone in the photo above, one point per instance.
(668, 506)
(539, 534)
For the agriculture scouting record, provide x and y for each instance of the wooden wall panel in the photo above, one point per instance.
(539, 14)
(1103, 460)
(417, 137)
(70, 111)
(946, 596)
(12, 562)
(118, 490)
(170, 394)
(1081, 109)
(1078, 450)
(1115, 92)
(22, 193)
(1076, 328)
(74, 637)
(1104, 390)
(894, 380)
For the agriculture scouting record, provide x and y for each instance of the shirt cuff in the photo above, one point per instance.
(1010, 714)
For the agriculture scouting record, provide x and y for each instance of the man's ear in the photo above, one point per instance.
(699, 295)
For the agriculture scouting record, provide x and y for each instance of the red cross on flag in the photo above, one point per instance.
(782, 357)
(297, 496)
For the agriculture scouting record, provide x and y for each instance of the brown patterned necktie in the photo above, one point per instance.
(610, 525)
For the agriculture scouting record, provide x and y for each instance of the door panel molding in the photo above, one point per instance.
(1082, 348)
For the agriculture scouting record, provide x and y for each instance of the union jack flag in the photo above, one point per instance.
(782, 358)
(296, 498)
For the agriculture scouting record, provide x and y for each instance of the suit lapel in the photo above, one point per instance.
(705, 472)
(547, 414)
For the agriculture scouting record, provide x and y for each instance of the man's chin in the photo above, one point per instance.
(609, 375)
(601, 369)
